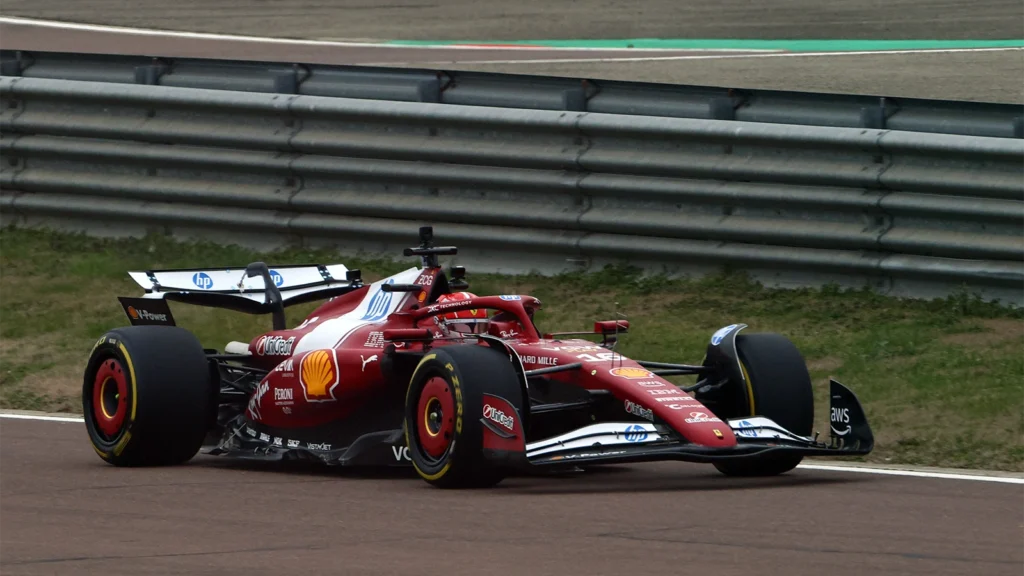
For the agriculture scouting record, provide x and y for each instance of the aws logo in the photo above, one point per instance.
(318, 374)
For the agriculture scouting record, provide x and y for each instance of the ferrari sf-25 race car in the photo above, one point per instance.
(412, 370)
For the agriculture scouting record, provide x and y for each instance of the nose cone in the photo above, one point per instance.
(701, 426)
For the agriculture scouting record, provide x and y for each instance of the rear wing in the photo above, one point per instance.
(246, 289)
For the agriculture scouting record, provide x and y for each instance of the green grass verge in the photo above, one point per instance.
(942, 381)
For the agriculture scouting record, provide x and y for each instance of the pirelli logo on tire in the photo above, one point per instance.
(458, 397)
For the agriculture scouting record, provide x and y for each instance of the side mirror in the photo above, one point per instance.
(458, 278)
(606, 327)
(354, 277)
(610, 330)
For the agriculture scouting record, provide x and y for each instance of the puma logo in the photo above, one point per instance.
(367, 360)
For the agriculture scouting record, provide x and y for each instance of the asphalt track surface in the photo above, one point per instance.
(991, 76)
(552, 19)
(30, 36)
(64, 511)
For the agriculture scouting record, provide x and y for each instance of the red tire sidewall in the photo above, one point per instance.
(431, 463)
(109, 356)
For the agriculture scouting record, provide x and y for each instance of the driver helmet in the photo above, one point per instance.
(461, 321)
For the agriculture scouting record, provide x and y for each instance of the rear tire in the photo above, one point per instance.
(146, 396)
(780, 385)
(443, 408)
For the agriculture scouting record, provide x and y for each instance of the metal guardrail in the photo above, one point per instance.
(528, 92)
(914, 213)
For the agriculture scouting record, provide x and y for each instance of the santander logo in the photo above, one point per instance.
(696, 417)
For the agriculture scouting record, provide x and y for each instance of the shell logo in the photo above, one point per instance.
(631, 373)
(318, 375)
(133, 313)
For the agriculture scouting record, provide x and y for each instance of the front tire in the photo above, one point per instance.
(778, 387)
(443, 408)
(146, 396)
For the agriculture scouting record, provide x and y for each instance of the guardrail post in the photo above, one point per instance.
(874, 117)
(1018, 127)
(721, 109)
(429, 91)
(11, 66)
(286, 82)
(149, 74)
(574, 100)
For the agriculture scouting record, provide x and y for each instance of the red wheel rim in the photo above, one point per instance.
(110, 397)
(435, 423)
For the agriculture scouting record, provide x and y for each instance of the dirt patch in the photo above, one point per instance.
(996, 331)
(826, 364)
(57, 382)
(7, 347)
(34, 349)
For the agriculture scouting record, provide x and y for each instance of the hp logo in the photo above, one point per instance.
(276, 277)
(379, 305)
(747, 429)
(636, 433)
(202, 280)
(720, 335)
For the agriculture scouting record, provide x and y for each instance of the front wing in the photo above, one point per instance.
(621, 442)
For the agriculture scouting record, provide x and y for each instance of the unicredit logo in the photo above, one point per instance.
(492, 413)
(274, 346)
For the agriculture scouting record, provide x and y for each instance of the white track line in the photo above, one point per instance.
(45, 417)
(778, 54)
(914, 473)
(824, 467)
(15, 20)
(172, 33)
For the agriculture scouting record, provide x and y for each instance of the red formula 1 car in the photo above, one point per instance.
(413, 370)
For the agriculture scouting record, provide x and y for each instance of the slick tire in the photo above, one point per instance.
(780, 385)
(443, 410)
(147, 396)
